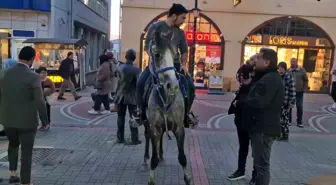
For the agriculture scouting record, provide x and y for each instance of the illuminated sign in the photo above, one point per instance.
(56, 79)
(283, 40)
(254, 39)
(202, 37)
(236, 2)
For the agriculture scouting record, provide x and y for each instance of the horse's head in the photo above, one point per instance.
(162, 65)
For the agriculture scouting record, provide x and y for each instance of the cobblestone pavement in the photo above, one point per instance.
(80, 149)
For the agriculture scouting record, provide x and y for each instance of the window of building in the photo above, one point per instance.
(98, 6)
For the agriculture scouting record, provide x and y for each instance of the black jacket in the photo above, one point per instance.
(66, 69)
(262, 105)
(238, 111)
(128, 75)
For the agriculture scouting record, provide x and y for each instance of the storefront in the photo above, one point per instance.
(209, 54)
(4, 45)
(11, 42)
(50, 53)
(296, 38)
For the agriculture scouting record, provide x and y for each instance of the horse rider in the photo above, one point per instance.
(125, 97)
(170, 29)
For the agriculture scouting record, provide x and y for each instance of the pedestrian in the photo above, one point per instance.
(245, 79)
(126, 97)
(101, 57)
(48, 88)
(262, 109)
(301, 85)
(333, 88)
(21, 100)
(66, 70)
(103, 85)
(114, 78)
(289, 99)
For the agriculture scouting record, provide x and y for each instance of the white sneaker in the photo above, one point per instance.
(334, 106)
(105, 112)
(93, 112)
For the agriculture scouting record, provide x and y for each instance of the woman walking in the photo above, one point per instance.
(103, 85)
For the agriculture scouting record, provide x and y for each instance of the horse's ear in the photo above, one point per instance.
(157, 35)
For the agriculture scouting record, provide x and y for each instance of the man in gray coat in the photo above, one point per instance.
(21, 101)
(126, 97)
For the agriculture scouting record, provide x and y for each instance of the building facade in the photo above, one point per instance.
(227, 36)
(83, 19)
(20, 20)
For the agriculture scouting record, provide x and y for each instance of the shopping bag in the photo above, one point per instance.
(51, 99)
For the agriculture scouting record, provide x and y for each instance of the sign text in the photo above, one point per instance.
(283, 40)
(203, 37)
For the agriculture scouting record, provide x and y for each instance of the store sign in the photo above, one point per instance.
(202, 37)
(289, 41)
(56, 79)
(216, 79)
(254, 39)
(236, 2)
(49, 46)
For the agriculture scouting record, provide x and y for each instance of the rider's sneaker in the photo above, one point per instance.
(93, 112)
(105, 112)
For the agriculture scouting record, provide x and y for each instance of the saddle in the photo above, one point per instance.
(151, 81)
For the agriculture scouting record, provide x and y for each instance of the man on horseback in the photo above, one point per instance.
(171, 30)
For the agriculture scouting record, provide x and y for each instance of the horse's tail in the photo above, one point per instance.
(166, 125)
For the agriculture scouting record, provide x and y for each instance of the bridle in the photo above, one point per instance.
(156, 81)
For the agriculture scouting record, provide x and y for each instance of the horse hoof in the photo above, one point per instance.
(151, 182)
(144, 167)
(187, 180)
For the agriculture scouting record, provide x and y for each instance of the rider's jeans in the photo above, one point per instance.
(140, 85)
(143, 78)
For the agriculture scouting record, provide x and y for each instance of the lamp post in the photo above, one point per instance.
(196, 13)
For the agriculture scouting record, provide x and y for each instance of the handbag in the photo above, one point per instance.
(51, 98)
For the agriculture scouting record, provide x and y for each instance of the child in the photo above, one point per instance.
(48, 88)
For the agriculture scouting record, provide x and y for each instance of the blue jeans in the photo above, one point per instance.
(140, 87)
(299, 106)
(142, 82)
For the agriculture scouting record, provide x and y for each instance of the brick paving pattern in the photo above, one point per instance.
(87, 154)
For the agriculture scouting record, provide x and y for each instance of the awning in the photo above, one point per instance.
(76, 42)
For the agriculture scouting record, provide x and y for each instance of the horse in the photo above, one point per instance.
(166, 106)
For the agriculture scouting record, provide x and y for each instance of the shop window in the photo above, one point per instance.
(204, 28)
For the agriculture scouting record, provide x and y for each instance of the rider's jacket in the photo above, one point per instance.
(176, 35)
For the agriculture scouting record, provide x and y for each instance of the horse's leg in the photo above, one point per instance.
(155, 158)
(161, 149)
(146, 156)
(180, 135)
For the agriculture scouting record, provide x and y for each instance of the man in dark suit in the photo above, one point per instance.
(21, 101)
(66, 70)
(126, 97)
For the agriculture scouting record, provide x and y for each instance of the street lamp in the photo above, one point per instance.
(196, 13)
